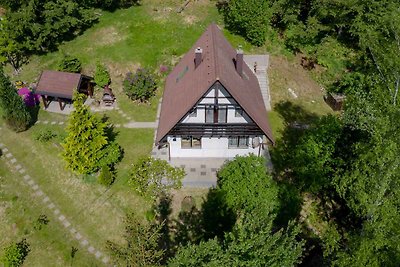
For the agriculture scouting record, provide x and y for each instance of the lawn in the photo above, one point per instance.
(18, 216)
(97, 211)
(147, 36)
(285, 74)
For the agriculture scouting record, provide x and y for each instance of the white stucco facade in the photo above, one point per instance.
(211, 147)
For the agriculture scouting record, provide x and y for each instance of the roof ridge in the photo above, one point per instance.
(215, 51)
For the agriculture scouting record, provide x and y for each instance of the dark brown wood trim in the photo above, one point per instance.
(215, 129)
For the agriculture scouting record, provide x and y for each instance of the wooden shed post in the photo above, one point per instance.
(60, 103)
(44, 99)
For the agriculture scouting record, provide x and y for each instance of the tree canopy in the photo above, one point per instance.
(254, 240)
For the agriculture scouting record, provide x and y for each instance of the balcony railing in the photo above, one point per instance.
(215, 129)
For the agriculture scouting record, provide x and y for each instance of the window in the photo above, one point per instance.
(238, 112)
(209, 114)
(222, 114)
(193, 112)
(191, 142)
(238, 142)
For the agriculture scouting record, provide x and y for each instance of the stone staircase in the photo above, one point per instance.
(261, 74)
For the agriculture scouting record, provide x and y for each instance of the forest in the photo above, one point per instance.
(348, 161)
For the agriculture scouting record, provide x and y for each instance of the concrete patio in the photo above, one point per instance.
(200, 172)
(54, 106)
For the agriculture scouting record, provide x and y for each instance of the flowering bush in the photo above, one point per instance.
(163, 69)
(140, 85)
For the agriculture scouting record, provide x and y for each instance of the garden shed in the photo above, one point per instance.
(60, 86)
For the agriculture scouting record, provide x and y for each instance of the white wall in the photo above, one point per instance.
(210, 147)
(222, 99)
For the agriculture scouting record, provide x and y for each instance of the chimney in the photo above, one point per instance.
(239, 61)
(198, 56)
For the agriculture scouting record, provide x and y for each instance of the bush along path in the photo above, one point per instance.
(50, 205)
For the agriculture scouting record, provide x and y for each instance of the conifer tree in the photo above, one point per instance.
(87, 148)
(14, 110)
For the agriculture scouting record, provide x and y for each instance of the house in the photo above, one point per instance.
(60, 86)
(212, 104)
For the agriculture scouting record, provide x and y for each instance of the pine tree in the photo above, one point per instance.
(87, 148)
(14, 110)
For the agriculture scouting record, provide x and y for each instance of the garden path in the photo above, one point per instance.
(27, 180)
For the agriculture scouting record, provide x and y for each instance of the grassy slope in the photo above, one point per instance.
(144, 36)
(18, 214)
(97, 212)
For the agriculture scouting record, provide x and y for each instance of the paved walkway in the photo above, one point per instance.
(200, 172)
(27, 180)
(261, 74)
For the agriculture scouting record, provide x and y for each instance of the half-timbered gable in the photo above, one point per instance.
(212, 104)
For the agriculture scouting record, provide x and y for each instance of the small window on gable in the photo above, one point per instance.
(238, 112)
(193, 112)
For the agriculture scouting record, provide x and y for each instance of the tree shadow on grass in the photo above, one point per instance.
(293, 113)
(110, 131)
(192, 224)
(213, 219)
(163, 211)
(296, 120)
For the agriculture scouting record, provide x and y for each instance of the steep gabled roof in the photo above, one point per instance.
(185, 85)
(58, 83)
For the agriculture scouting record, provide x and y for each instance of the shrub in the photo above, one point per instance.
(141, 85)
(41, 220)
(15, 254)
(163, 69)
(106, 176)
(70, 64)
(45, 136)
(14, 110)
(101, 76)
(151, 177)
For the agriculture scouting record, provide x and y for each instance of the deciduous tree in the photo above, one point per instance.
(150, 176)
(141, 247)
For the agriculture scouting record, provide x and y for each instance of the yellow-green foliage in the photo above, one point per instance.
(87, 148)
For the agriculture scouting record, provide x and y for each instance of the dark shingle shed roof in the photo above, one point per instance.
(185, 85)
(58, 83)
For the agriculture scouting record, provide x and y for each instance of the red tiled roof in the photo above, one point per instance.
(185, 85)
(58, 83)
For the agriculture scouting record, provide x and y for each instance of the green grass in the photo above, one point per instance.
(51, 245)
(97, 211)
(142, 36)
